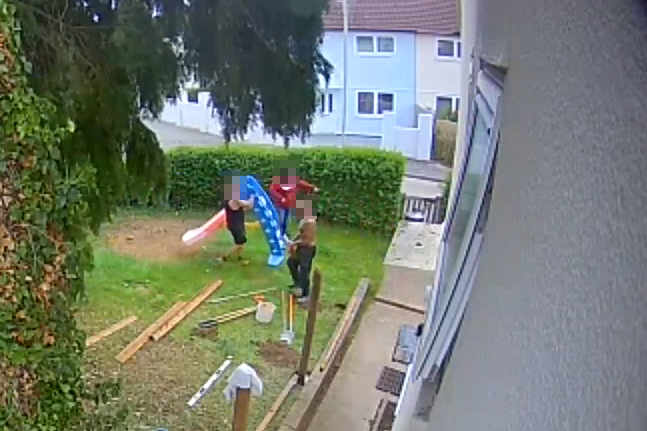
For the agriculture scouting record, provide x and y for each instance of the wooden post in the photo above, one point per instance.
(310, 327)
(241, 409)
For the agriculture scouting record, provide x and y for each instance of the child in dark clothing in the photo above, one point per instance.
(302, 252)
(235, 209)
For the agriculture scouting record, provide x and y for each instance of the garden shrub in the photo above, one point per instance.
(444, 199)
(358, 187)
(44, 255)
(446, 141)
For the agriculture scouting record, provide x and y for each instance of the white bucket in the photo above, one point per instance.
(265, 312)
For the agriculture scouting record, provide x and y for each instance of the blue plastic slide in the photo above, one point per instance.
(268, 218)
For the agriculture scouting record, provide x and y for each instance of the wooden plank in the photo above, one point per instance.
(278, 403)
(185, 311)
(235, 315)
(343, 327)
(310, 328)
(109, 331)
(143, 338)
(242, 295)
(312, 394)
(401, 305)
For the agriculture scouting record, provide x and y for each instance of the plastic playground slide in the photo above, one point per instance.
(269, 219)
(214, 224)
(265, 213)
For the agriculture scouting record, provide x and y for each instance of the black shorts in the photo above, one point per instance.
(238, 234)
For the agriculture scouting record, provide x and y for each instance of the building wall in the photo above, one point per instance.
(393, 74)
(555, 332)
(435, 76)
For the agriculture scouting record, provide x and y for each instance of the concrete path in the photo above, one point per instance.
(352, 399)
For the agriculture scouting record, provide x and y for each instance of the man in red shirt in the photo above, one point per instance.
(283, 190)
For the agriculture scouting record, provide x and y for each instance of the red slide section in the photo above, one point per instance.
(214, 224)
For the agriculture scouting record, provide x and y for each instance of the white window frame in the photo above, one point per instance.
(441, 323)
(455, 56)
(328, 105)
(375, 52)
(376, 103)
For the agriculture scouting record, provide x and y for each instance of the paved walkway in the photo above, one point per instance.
(352, 399)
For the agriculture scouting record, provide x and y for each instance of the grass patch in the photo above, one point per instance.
(142, 268)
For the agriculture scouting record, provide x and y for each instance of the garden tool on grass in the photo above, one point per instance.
(287, 336)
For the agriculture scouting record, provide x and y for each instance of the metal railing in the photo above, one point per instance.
(430, 208)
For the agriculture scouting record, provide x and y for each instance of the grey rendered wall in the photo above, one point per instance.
(555, 335)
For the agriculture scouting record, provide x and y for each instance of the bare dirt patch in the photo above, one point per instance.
(159, 240)
(279, 355)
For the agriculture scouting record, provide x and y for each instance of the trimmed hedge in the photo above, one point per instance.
(358, 187)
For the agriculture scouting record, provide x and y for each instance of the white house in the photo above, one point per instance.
(537, 319)
(399, 58)
(403, 62)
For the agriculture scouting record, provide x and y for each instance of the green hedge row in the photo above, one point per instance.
(358, 187)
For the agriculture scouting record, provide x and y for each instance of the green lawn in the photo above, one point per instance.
(151, 270)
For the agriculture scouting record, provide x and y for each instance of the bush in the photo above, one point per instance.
(358, 187)
(445, 142)
(444, 200)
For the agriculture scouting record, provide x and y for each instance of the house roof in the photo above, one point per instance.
(420, 16)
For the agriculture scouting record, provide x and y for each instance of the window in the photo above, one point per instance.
(375, 44)
(444, 106)
(366, 103)
(449, 49)
(365, 44)
(385, 44)
(325, 104)
(375, 103)
(192, 96)
(464, 232)
(384, 103)
(447, 107)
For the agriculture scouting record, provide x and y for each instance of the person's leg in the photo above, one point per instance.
(306, 256)
(293, 266)
(283, 220)
(240, 239)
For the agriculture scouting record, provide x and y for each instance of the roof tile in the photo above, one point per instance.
(420, 16)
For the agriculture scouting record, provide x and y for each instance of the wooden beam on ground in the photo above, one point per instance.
(228, 317)
(401, 305)
(185, 311)
(143, 338)
(278, 403)
(312, 394)
(109, 331)
(345, 324)
(242, 295)
(310, 328)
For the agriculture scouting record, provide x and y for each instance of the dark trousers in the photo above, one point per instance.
(300, 265)
(284, 219)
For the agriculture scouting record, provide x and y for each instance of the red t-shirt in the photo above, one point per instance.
(286, 198)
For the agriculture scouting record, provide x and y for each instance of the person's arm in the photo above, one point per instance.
(306, 187)
(276, 195)
(246, 204)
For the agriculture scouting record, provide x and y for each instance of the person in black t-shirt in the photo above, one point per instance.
(235, 211)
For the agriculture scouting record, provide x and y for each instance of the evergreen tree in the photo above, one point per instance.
(76, 77)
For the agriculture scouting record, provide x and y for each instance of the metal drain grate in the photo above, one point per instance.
(390, 381)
